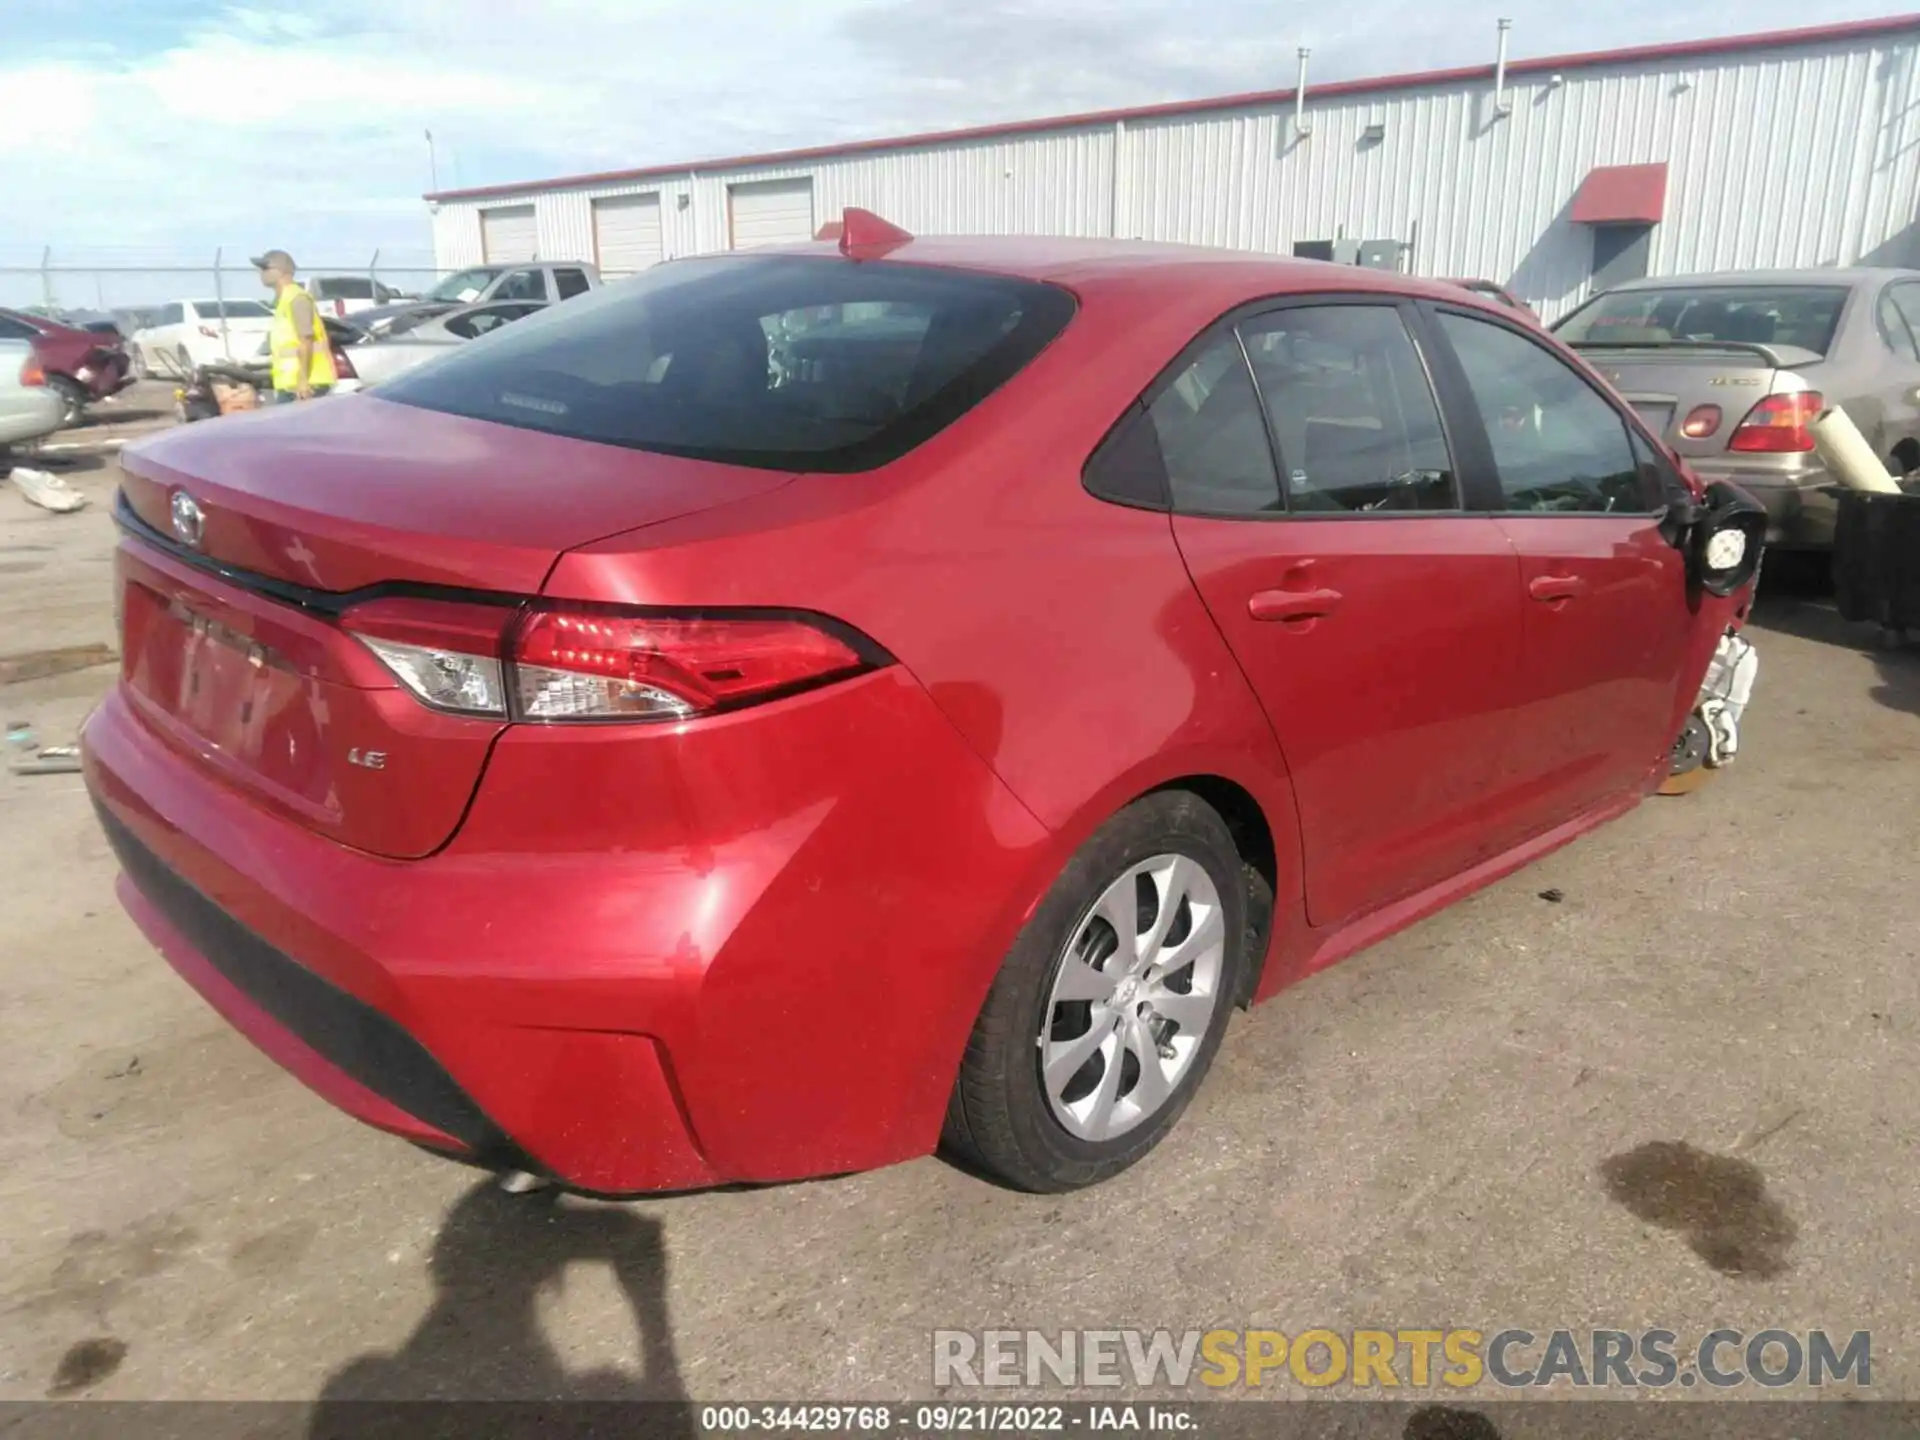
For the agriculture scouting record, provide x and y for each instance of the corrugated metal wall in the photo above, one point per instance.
(1793, 157)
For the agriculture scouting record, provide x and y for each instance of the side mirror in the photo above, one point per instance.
(1728, 534)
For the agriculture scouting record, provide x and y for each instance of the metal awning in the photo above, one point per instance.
(1622, 195)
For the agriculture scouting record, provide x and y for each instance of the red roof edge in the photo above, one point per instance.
(1682, 50)
(1622, 195)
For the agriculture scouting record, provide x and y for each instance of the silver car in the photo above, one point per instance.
(1732, 368)
(29, 407)
(381, 357)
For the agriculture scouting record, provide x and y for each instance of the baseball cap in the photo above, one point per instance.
(273, 257)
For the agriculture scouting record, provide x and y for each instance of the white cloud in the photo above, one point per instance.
(302, 126)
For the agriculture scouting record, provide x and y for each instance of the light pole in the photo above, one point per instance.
(433, 165)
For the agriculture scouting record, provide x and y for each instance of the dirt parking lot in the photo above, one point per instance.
(1419, 1137)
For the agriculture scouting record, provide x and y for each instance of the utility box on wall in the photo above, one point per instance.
(1379, 254)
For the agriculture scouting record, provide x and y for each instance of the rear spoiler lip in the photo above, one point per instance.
(1780, 357)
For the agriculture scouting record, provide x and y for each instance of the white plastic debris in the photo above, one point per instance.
(1724, 695)
(48, 491)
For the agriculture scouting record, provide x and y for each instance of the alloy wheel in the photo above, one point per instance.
(1133, 995)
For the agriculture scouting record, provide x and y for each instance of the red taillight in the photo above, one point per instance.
(592, 663)
(1701, 422)
(340, 307)
(32, 372)
(342, 366)
(1778, 425)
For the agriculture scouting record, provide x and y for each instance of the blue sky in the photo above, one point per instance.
(165, 128)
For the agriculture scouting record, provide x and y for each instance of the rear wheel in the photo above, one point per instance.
(1111, 1005)
(73, 399)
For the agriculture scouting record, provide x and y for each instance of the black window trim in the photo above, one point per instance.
(1228, 324)
(1473, 425)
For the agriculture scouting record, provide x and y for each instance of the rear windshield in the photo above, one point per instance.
(1804, 316)
(779, 362)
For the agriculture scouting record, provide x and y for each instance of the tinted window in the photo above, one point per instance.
(1557, 445)
(1658, 476)
(1805, 316)
(173, 315)
(347, 287)
(11, 329)
(232, 310)
(1906, 305)
(1353, 415)
(1127, 467)
(480, 320)
(1212, 439)
(570, 283)
(783, 362)
(522, 285)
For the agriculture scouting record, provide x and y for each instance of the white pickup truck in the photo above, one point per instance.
(538, 281)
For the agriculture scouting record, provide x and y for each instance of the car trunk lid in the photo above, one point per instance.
(232, 637)
(1668, 383)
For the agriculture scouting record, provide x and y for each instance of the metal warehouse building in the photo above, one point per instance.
(1551, 176)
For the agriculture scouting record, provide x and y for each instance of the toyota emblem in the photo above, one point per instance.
(189, 522)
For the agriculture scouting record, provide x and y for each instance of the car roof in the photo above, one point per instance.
(1826, 275)
(1200, 276)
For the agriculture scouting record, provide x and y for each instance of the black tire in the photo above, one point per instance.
(73, 399)
(999, 1119)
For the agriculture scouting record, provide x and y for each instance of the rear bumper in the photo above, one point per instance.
(1801, 509)
(691, 961)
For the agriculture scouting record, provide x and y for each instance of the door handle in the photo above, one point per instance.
(1556, 587)
(1293, 604)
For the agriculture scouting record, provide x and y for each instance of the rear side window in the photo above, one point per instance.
(1212, 439)
(1558, 446)
(1900, 318)
(570, 283)
(232, 310)
(1352, 411)
(522, 285)
(780, 362)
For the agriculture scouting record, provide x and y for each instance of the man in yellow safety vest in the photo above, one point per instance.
(302, 354)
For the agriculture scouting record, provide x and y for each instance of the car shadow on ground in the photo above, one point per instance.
(481, 1356)
(1806, 610)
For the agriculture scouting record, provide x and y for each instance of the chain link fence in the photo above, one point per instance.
(126, 282)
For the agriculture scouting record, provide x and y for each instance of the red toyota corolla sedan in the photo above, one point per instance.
(773, 715)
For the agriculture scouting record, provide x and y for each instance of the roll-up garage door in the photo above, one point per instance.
(507, 234)
(770, 212)
(626, 234)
